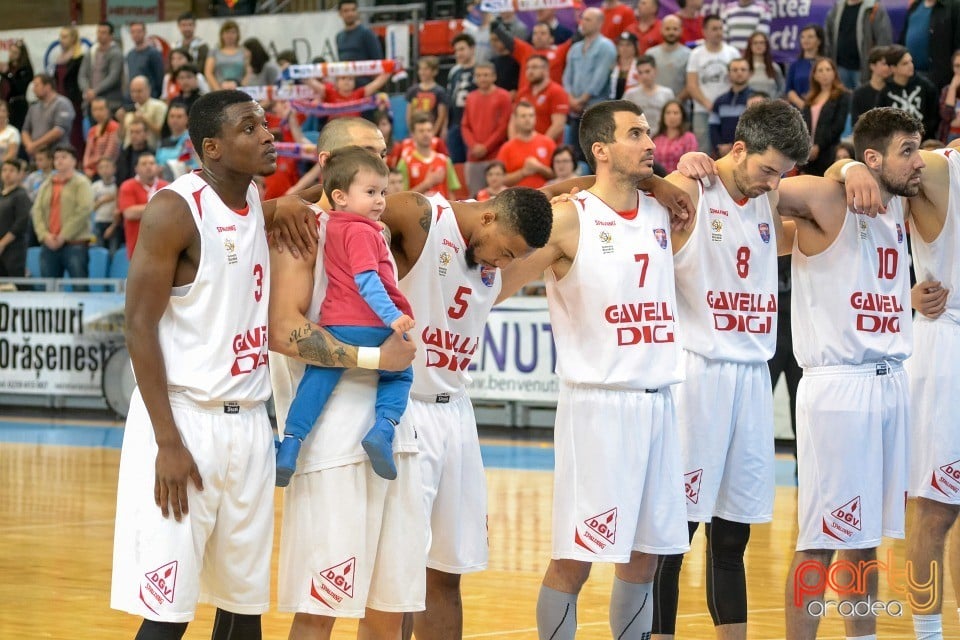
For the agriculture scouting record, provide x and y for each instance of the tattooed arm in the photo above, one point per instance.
(293, 335)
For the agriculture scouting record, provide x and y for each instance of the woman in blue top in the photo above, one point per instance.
(798, 75)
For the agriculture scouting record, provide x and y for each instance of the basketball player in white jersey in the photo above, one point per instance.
(934, 439)
(726, 275)
(610, 287)
(447, 256)
(198, 442)
(852, 332)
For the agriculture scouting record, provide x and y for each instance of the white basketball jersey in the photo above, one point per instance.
(727, 279)
(614, 312)
(450, 301)
(214, 335)
(940, 259)
(851, 303)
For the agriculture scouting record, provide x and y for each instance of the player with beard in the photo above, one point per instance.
(724, 409)
(852, 332)
(934, 438)
(610, 290)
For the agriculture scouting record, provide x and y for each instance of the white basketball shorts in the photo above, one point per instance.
(852, 455)
(220, 551)
(618, 485)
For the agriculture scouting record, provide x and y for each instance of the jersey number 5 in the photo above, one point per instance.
(460, 299)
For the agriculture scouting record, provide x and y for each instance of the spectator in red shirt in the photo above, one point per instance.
(425, 170)
(135, 193)
(527, 156)
(484, 125)
(103, 139)
(692, 18)
(344, 89)
(617, 17)
(548, 98)
(647, 26)
(541, 44)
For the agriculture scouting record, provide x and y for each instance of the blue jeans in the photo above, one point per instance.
(849, 77)
(455, 144)
(70, 258)
(318, 382)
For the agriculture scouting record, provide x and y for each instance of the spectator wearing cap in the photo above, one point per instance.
(647, 26)
(61, 218)
(624, 77)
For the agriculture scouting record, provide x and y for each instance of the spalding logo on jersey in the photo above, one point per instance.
(488, 275)
(764, 231)
(661, 236)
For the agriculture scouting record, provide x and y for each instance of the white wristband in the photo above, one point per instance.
(846, 167)
(368, 357)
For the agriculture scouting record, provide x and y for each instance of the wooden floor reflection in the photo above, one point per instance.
(56, 530)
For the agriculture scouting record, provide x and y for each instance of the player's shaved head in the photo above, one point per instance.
(341, 132)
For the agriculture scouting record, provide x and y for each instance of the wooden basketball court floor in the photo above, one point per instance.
(57, 491)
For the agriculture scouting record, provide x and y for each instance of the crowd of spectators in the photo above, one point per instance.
(100, 130)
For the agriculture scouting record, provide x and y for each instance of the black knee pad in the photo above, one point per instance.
(726, 579)
(153, 630)
(236, 626)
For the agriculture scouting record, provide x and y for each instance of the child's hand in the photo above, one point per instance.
(402, 324)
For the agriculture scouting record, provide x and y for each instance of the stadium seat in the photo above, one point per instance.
(98, 259)
(119, 264)
(33, 262)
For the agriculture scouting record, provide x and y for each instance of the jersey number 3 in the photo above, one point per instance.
(460, 303)
(257, 282)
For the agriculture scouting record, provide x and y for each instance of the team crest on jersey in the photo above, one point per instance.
(843, 522)
(764, 232)
(488, 275)
(661, 237)
(159, 585)
(946, 479)
(899, 234)
(607, 240)
(230, 246)
(444, 261)
(596, 532)
(717, 227)
(335, 583)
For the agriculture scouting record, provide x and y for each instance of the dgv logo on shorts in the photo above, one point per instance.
(691, 484)
(600, 530)
(843, 522)
(159, 585)
(336, 582)
(946, 479)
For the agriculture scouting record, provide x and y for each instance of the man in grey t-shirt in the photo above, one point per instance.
(671, 57)
(49, 119)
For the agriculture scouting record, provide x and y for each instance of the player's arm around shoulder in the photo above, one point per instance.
(167, 255)
(928, 209)
(407, 219)
(786, 232)
(816, 206)
(558, 254)
(680, 235)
